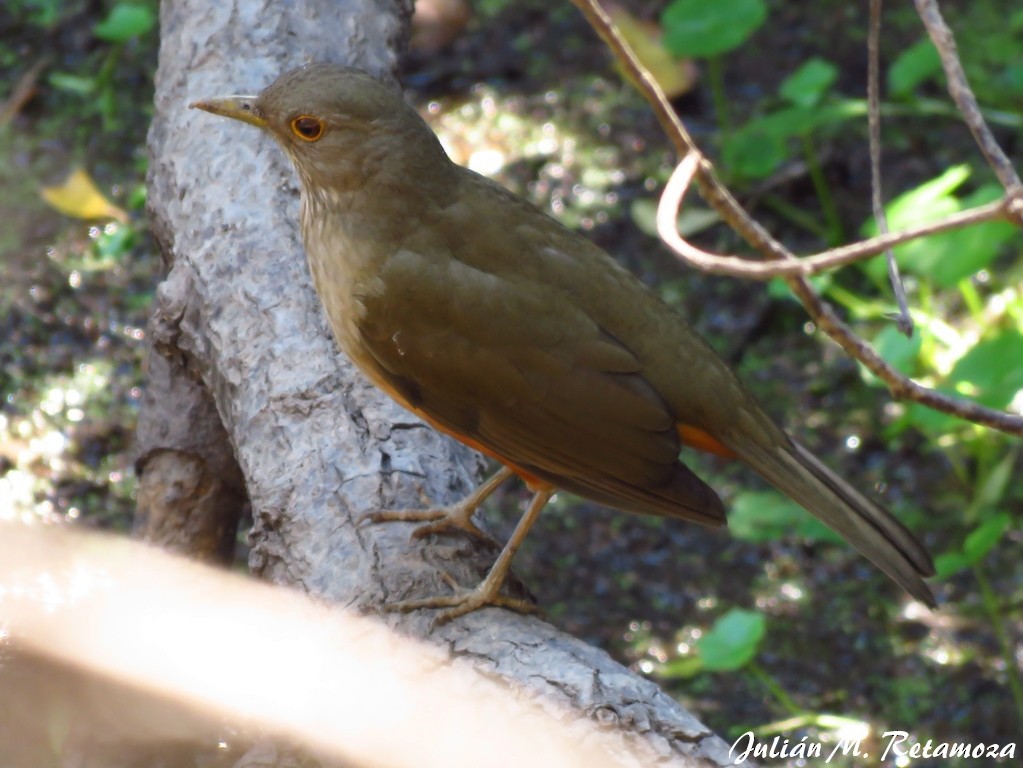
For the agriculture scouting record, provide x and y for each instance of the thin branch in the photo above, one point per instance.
(736, 266)
(903, 320)
(961, 93)
(722, 201)
(24, 90)
(713, 191)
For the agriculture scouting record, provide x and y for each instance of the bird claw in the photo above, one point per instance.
(441, 521)
(459, 516)
(463, 602)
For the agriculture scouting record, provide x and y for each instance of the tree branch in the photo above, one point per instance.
(670, 205)
(722, 201)
(903, 320)
(961, 93)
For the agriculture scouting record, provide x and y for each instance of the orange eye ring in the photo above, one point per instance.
(307, 127)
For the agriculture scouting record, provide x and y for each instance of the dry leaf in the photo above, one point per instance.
(436, 23)
(675, 76)
(78, 196)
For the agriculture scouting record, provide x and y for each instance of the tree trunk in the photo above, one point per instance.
(317, 444)
(190, 489)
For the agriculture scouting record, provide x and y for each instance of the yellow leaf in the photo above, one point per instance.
(79, 197)
(675, 76)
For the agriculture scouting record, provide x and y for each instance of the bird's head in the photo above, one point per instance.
(342, 128)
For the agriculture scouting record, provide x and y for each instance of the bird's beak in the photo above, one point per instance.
(236, 107)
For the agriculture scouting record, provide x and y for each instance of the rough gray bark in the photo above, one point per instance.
(317, 444)
(190, 489)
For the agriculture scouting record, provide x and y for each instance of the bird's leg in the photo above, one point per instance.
(488, 592)
(442, 519)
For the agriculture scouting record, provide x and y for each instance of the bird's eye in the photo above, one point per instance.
(307, 128)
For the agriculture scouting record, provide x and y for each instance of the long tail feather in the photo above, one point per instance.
(866, 525)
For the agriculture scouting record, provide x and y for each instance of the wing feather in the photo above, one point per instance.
(513, 364)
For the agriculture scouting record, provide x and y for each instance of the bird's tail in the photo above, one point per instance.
(866, 525)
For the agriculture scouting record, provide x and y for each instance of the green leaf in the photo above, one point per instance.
(681, 668)
(756, 149)
(137, 198)
(992, 489)
(930, 421)
(124, 22)
(912, 207)
(967, 251)
(949, 563)
(697, 28)
(991, 371)
(644, 215)
(984, 538)
(77, 84)
(112, 246)
(733, 641)
(43, 13)
(1011, 78)
(760, 516)
(693, 218)
(898, 351)
(977, 544)
(779, 290)
(931, 200)
(808, 85)
(915, 65)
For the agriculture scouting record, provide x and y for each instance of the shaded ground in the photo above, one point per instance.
(528, 91)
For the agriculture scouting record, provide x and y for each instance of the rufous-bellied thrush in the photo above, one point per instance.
(521, 338)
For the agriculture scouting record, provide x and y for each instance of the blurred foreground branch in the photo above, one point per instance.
(217, 647)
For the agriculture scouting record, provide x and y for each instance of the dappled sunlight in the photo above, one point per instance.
(42, 451)
(564, 132)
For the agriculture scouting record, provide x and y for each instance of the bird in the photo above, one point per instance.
(521, 338)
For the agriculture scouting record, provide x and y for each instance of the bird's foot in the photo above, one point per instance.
(464, 601)
(439, 520)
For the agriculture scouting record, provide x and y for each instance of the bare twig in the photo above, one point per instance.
(903, 319)
(24, 90)
(805, 266)
(722, 201)
(713, 191)
(962, 95)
